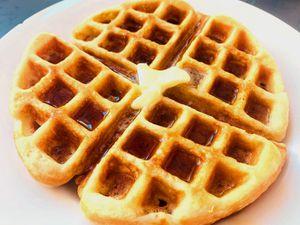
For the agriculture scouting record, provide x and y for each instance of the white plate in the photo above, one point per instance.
(23, 201)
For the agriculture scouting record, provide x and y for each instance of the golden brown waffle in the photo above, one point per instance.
(186, 157)
(69, 109)
(243, 86)
(174, 165)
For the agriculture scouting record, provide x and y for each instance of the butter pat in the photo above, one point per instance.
(155, 82)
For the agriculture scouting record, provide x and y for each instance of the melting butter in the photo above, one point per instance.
(155, 82)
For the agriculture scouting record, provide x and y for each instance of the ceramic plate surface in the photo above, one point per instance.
(24, 201)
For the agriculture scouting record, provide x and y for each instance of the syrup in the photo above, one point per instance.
(200, 133)
(58, 95)
(90, 115)
(113, 91)
(115, 42)
(182, 164)
(163, 116)
(143, 54)
(225, 90)
(141, 144)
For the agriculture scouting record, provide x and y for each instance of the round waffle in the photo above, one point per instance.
(194, 154)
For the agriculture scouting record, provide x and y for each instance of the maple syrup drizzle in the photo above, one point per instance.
(163, 116)
(90, 115)
(182, 164)
(141, 144)
(225, 90)
(200, 133)
(58, 95)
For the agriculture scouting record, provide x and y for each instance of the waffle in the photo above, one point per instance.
(69, 109)
(175, 165)
(243, 87)
(189, 153)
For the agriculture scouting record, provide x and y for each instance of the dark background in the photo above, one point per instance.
(13, 12)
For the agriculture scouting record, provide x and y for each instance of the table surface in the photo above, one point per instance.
(13, 12)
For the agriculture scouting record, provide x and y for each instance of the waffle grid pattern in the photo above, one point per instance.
(166, 163)
(233, 72)
(238, 81)
(154, 32)
(184, 155)
(76, 103)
